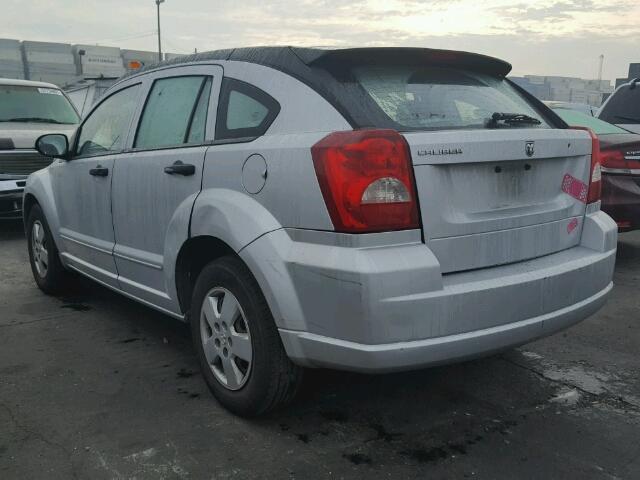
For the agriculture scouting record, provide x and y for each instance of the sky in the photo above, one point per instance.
(545, 37)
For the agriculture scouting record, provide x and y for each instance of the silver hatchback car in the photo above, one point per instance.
(372, 210)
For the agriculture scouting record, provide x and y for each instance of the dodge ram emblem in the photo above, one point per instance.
(529, 148)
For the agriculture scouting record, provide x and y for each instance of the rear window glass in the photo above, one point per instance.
(623, 107)
(579, 119)
(437, 98)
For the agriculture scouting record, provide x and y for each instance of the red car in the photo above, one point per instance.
(620, 161)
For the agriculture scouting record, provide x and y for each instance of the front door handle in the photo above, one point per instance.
(179, 168)
(99, 171)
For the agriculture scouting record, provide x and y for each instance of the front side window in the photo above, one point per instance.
(106, 129)
(437, 98)
(623, 107)
(175, 112)
(25, 104)
(245, 111)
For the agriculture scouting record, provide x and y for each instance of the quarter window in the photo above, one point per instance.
(106, 129)
(245, 111)
(175, 112)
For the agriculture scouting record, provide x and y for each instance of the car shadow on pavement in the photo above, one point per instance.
(11, 229)
(628, 249)
(419, 417)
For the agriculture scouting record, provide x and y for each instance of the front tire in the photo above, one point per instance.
(48, 272)
(237, 343)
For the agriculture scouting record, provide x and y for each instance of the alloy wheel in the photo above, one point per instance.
(39, 249)
(226, 338)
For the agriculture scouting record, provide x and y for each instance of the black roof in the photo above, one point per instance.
(296, 60)
(328, 71)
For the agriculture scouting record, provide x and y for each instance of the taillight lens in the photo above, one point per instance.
(618, 159)
(595, 179)
(366, 179)
(612, 159)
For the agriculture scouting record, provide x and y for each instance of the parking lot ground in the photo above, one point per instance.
(93, 385)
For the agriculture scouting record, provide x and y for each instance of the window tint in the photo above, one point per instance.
(245, 111)
(199, 121)
(623, 107)
(106, 128)
(169, 109)
(433, 98)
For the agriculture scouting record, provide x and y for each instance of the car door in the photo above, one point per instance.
(160, 175)
(82, 186)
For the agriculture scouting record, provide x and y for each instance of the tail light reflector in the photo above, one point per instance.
(595, 177)
(366, 179)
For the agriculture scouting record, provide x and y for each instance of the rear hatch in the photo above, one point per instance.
(490, 162)
(484, 201)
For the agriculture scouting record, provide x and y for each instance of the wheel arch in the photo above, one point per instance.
(27, 204)
(194, 254)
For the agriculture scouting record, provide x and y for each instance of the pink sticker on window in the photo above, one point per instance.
(574, 187)
(573, 224)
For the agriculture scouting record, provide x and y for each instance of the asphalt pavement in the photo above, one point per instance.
(93, 385)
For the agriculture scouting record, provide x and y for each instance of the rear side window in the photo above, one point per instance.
(175, 112)
(623, 107)
(436, 98)
(105, 130)
(245, 111)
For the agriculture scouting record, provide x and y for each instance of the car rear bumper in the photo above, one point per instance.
(11, 192)
(317, 350)
(375, 307)
(621, 199)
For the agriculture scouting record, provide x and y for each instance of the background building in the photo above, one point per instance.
(64, 64)
(566, 89)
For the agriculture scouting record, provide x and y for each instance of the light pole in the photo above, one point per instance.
(158, 2)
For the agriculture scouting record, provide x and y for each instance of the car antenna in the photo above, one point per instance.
(634, 83)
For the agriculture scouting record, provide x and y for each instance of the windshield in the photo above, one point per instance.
(428, 98)
(20, 103)
(579, 119)
(623, 107)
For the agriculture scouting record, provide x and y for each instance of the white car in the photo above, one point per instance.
(367, 209)
(27, 110)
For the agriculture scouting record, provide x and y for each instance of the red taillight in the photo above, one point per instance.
(595, 177)
(617, 159)
(366, 180)
(612, 159)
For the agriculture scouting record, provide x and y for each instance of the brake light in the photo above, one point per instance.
(612, 159)
(595, 178)
(366, 179)
(618, 160)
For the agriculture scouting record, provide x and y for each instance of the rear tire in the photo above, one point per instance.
(237, 343)
(48, 272)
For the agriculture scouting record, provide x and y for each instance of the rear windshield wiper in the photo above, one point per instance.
(630, 119)
(34, 120)
(511, 119)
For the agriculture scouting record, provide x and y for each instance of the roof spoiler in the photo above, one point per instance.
(403, 55)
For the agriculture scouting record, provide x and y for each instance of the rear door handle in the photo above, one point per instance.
(99, 171)
(179, 168)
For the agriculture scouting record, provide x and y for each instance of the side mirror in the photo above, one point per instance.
(54, 145)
